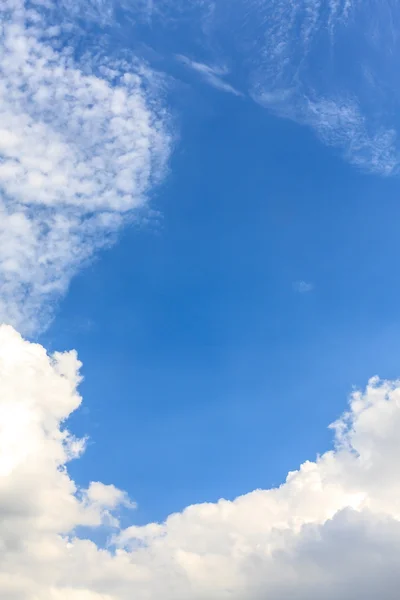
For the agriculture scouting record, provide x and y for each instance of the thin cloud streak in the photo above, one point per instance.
(212, 75)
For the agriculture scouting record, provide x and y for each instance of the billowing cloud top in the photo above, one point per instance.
(80, 145)
(332, 530)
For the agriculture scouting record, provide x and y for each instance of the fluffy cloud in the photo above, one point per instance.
(331, 530)
(81, 144)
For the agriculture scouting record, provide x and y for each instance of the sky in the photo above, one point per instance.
(199, 357)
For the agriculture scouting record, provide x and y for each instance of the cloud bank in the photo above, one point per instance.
(81, 144)
(331, 530)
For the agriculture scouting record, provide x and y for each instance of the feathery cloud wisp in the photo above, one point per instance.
(293, 58)
(212, 75)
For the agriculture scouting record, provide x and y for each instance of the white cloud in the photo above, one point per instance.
(301, 69)
(80, 147)
(331, 66)
(331, 530)
(303, 287)
(212, 75)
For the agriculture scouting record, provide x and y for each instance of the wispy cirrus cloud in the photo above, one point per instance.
(299, 67)
(329, 65)
(81, 145)
(212, 75)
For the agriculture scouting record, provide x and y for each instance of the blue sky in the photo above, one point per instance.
(219, 375)
(201, 199)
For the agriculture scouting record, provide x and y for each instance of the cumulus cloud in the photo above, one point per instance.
(331, 530)
(81, 144)
(39, 504)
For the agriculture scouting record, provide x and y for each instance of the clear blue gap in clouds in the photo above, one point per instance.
(206, 374)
